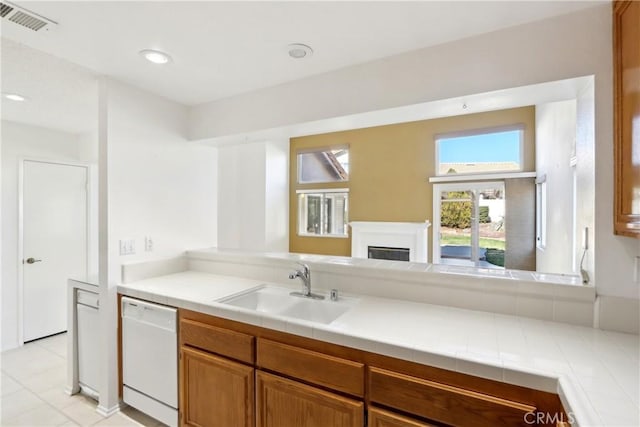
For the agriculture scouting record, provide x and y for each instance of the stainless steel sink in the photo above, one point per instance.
(278, 301)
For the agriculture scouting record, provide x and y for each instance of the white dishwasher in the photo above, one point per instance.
(150, 359)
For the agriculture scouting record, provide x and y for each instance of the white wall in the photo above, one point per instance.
(253, 196)
(555, 146)
(88, 151)
(158, 185)
(567, 46)
(277, 196)
(558, 48)
(20, 140)
(241, 193)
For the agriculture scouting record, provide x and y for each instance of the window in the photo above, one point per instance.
(323, 212)
(480, 151)
(328, 165)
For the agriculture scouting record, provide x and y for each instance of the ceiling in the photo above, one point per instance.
(60, 95)
(221, 49)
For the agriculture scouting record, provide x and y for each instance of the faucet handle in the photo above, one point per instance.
(305, 267)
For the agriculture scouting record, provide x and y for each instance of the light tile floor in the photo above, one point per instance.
(32, 391)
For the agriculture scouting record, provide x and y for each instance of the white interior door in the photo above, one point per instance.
(54, 244)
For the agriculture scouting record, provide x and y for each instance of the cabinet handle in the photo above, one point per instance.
(33, 260)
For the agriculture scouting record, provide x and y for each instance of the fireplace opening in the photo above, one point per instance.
(394, 254)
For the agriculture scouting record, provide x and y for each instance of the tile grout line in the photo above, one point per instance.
(38, 396)
(56, 409)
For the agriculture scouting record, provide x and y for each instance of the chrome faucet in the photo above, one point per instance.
(305, 275)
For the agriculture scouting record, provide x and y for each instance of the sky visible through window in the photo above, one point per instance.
(489, 147)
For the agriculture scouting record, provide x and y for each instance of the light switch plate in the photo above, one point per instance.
(148, 244)
(636, 270)
(127, 246)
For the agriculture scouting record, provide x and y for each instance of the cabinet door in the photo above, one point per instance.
(381, 418)
(215, 392)
(284, 403)
(626, 39)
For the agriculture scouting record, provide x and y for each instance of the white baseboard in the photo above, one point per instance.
(107, 412)
(71, 391)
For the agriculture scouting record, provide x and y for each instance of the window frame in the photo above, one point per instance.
(302, 215)
(482, 131)
(317, 150)
(541, 213)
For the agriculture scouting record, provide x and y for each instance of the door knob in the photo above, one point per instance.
(32, 260)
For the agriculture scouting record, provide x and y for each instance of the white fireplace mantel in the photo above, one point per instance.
(409, 235)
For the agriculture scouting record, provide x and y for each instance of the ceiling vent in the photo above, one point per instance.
(25, 18)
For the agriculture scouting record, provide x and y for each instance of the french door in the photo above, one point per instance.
(469, 224)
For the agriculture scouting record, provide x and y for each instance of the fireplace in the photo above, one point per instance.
(405, 241)
(393, 254)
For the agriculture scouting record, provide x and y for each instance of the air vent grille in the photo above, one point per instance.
(28, 21)
(25, 18)
(5, 9)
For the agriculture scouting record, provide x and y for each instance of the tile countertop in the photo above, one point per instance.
(595, 372)
(85, 282)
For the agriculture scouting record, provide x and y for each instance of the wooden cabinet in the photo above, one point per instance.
(626, 63)
(381, 418)
(285, 403)
(215, 392)
(233, 374)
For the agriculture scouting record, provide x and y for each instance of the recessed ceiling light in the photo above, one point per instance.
(14, 97)
(299, 50)
(155, 56)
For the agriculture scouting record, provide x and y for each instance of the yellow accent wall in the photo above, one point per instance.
(390, 168)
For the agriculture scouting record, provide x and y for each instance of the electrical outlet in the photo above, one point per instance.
(127, 247)
(148, 244)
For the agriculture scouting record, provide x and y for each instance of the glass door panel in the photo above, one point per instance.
(471, 224)
(455, 226)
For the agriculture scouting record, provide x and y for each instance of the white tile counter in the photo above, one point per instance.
(595, 372)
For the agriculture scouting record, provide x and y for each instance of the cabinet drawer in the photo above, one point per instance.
(441, 402)
(317, 368)
(381, 418)
(224, 342)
